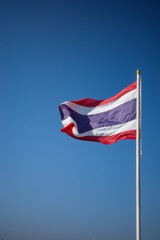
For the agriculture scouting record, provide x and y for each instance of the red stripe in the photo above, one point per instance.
(105, 140)
(88, 102)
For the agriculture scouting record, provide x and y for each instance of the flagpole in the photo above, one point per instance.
(138, 206)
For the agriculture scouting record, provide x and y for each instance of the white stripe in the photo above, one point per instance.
(68, 121)
(107, 131)
(99, 109)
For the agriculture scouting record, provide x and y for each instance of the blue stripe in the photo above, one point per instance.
(121, 114)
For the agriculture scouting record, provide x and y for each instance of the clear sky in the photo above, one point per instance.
(53, 186)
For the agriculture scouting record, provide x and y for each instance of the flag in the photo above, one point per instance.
(105, 121)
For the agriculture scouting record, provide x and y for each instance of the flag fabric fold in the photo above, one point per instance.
(106, 121)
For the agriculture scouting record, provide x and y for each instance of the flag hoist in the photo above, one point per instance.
(108, 121)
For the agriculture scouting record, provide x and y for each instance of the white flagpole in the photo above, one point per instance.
(138, 204)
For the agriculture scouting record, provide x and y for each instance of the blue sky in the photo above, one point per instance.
(53, 186)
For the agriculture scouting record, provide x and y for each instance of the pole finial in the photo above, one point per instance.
(138, 72)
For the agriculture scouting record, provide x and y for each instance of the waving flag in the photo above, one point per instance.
(106, 121)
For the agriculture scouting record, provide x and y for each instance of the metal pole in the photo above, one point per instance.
(138, 206)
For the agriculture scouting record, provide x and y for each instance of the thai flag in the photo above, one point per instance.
(106, 121)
